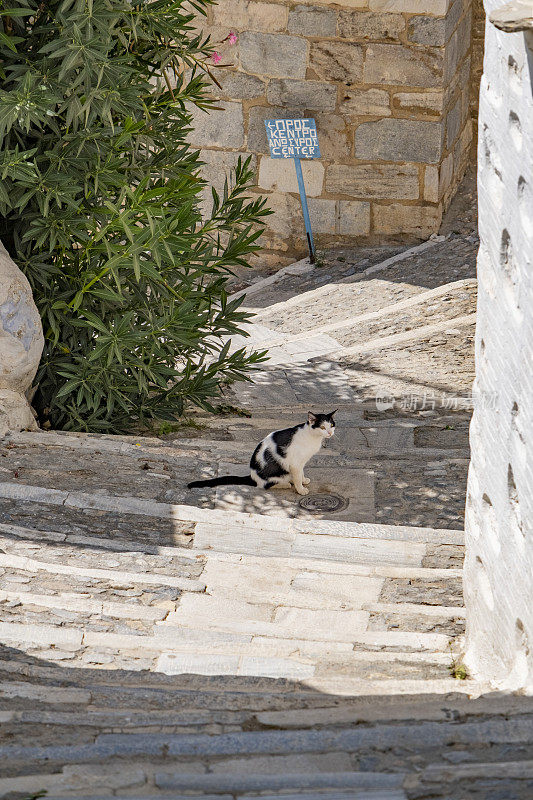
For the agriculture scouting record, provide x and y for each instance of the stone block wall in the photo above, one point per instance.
(498, 581)
(478, 45)
(388, 84)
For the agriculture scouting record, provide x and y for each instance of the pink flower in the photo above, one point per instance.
(232, 37)
(216, 58)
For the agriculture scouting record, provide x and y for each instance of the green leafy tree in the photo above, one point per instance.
(100, 207)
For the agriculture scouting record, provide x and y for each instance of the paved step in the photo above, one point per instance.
(248, 650)
(356, 440)
(54, 467)
(447, 306)
(111, 576)
(429, 366)
(291, 287)
(307, 794)
(303, 276)
(376, 288)
(254, 743)
(336, 711)
(97, 552)
(366, 459)
(208, 536)
(76, 781)
(437, 300)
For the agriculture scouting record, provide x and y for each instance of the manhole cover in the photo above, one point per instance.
(323, 503)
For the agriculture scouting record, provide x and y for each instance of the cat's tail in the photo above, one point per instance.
(228, 480)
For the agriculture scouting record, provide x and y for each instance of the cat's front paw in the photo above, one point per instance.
(301, 490)
(306, 481)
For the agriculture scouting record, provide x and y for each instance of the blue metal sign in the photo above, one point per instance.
(295, 138)
(292, 138)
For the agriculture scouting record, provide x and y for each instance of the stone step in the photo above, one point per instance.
(359, 555)
(356, 441)
(246, 648)
(381, 285)
(218, 567)
(352, 712)
(414, 708)
(288, 293)
(446, 774)
(320, 547)
(423, 737)
(358, 483)
(111, 576)
(78, 780)
(307, 794)
(435, 300)
(246, 661)
(18, 539)
(79, 606)
(234, 591)
(400, 666)
(258, 286)
(354, 467)
(97, 552)
(156, 477)
(50, 597)
(304, 611)
(208, 536)
(399, 367)
(444, 306)
(146, 691)
(117, 531)
(407, 337)
(300, 624)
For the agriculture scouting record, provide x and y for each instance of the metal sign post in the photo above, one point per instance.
(296, 139)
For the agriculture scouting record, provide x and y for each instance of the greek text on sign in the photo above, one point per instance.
(292, 138)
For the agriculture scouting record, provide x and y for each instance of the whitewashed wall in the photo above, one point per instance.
(499, 525)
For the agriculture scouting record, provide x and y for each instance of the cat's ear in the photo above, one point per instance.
(333, 412)
(311, 418)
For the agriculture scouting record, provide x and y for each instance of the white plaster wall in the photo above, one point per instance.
(499, 520)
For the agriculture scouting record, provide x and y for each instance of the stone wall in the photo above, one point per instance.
(499, 522)
(478, 44)
(388, 84)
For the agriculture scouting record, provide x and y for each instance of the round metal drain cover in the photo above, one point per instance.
(323, 503)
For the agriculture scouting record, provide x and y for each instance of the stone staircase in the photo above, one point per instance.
(165, 642)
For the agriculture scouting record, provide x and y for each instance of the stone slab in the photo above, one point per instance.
(232, 539)
(197, 664)
(39, 634)
(113, 576)
(356, 485)
(360, 551)
(300, 781)
(45, 694)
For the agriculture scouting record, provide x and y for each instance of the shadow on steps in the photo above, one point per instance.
(95, 732)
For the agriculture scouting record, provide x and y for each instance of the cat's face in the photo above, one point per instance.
(323, 424)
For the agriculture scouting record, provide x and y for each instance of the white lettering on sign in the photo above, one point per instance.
(292, 138)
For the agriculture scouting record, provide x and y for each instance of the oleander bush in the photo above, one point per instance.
(100, 207)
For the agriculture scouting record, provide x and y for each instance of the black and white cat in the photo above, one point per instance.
(278, 461)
